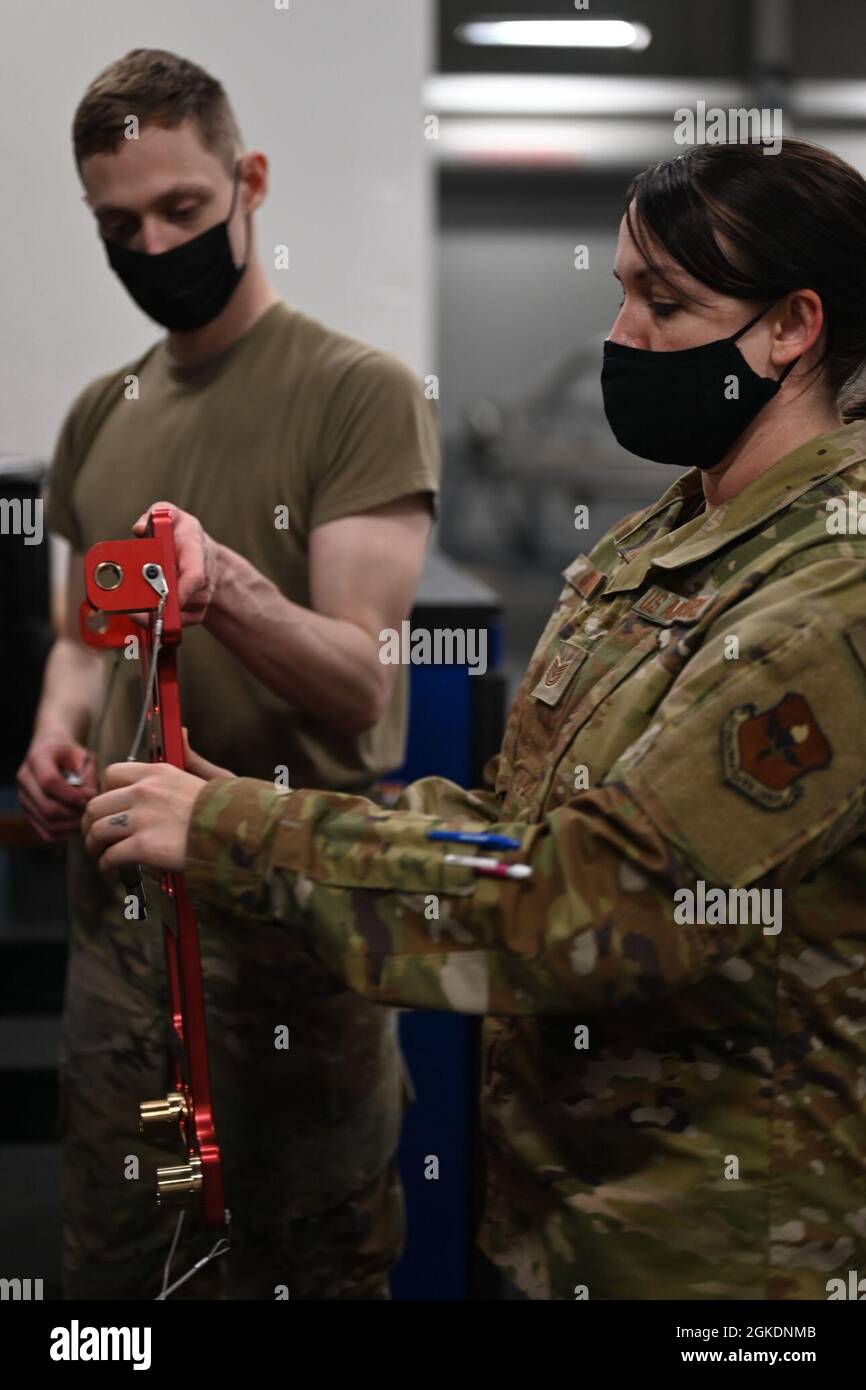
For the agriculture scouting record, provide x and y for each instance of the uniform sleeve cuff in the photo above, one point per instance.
(232, 834)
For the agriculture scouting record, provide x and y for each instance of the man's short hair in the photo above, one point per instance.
(160, 89)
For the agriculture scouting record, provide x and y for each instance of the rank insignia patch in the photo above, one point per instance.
(559, 673)
(765, 755)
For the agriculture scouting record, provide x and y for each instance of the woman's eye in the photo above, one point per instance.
(659, 308)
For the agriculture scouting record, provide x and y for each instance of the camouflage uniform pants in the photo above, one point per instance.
(308, 1133)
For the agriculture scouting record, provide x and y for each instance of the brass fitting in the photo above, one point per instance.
(154, 1113)
(177, 1186)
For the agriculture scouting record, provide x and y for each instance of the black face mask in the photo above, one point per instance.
(679, 407)
(186, 287)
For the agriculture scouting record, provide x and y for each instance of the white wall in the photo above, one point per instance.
(331, 90)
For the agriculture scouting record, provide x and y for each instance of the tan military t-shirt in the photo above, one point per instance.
(293, 415)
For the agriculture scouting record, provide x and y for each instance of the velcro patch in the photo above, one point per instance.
(661, 606)
(583, 576)
(558, 674)
(765, 755)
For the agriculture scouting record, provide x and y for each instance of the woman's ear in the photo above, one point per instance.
(799, 327)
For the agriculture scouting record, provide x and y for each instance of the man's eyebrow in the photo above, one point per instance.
(177, 190)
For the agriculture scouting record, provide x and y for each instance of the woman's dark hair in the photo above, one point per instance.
(794, 220)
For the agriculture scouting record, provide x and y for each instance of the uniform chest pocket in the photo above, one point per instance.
(571, 684)
(649, 625)
(577, 679)
(582, 673)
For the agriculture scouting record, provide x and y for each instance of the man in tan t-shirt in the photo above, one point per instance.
(302, 466)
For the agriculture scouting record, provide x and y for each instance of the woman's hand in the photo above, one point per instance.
(142, 817)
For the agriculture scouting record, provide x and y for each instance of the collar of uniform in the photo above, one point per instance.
(774, 490)
(671, 502)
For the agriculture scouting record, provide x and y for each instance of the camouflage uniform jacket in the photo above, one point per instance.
(674, 1103)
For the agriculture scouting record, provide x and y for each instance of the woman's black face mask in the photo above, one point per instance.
(188, 286)
(687, 407)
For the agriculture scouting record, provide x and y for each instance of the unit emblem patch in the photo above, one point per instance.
(765, 755)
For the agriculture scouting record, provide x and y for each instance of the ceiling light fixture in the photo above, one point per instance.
(555, 33)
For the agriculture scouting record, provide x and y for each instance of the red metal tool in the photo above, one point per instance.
(140, 576)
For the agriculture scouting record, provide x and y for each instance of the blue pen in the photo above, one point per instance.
(475, 837)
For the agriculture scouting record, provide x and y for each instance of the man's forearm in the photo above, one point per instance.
(323, 665)
(70, 690)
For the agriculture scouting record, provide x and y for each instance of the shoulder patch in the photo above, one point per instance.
(765, 754)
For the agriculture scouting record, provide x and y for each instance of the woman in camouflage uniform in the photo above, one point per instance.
(675, 1042)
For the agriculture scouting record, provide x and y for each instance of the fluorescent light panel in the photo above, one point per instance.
(538, 142)
(531, 94)
(555, 33)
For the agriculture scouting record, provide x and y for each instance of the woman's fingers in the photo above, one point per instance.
(108, 830)
(106, 804)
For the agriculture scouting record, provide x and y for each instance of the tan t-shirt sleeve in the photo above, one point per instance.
(60, 516)
(76, 435)
(379, 441)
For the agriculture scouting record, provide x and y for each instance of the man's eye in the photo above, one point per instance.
(118, 231)
(663, 311)
(184, 214)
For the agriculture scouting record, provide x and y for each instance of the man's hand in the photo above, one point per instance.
(198, 562)
(52, 803)
(142, 817)
(199, 766)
